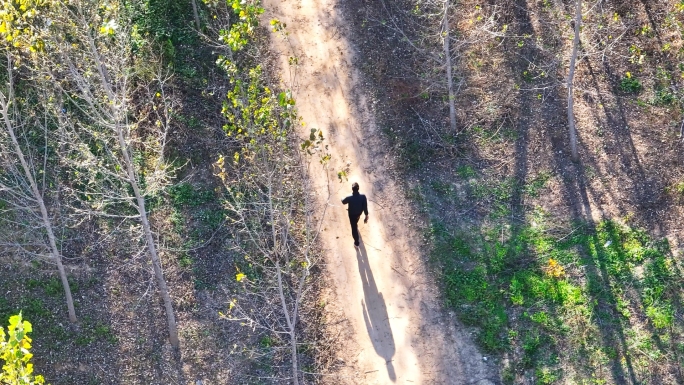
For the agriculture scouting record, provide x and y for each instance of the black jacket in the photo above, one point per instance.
(357, 204)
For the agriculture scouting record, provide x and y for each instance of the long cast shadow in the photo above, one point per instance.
(375, 313)
(598, 280)
(576, 193)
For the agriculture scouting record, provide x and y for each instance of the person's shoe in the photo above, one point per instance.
(356, 244)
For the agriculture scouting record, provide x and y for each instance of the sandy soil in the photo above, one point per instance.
(383, 294)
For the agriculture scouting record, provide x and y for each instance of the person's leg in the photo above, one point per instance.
(355, 229)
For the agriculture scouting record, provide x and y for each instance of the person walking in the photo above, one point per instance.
(357, 204)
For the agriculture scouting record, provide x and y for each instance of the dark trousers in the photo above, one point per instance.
(354, 221)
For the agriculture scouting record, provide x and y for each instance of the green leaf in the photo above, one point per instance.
(282, 99)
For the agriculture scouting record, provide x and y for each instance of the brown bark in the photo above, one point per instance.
(571, 76)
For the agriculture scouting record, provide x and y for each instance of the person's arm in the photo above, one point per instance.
(345, 200)
(365, 209)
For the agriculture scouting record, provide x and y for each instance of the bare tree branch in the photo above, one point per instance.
(7, 109)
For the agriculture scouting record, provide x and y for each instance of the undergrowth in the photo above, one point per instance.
(539, 296)
(550, 299)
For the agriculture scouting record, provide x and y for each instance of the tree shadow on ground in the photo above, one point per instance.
(576, 193)
(375, 313)
(644, 190)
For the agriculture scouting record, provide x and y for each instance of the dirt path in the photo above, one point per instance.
(383, 297)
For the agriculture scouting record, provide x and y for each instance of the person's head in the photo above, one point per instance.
(355, 187)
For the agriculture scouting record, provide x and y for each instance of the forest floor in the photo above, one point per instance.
(571, 272)
(383, 304)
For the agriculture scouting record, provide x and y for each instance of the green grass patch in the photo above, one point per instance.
(466, 172)
(186, 195)
(185, 260)
(194, 211)
(51, 286)
(664, 97)
(41, 301)
(534, 186)
(94, 332)
(545, 298)
(496, 133)
(442, 188)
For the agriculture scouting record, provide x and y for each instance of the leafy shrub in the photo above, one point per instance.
(546, 376)
(660, 316)
(631, 85)
(14, 350)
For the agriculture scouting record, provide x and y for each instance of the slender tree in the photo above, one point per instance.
(115, 163)
(20, 185)
(449, 76)
(571, 76)
(195, 14)
(266, 192)
(427, 31)
(269, 210)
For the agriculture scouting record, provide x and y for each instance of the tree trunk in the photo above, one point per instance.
(149, 239)
(140, 199)
(450, 80)
(571, 76)
(158, 273)
(194, 12)
(56, 256)
(290, 326)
